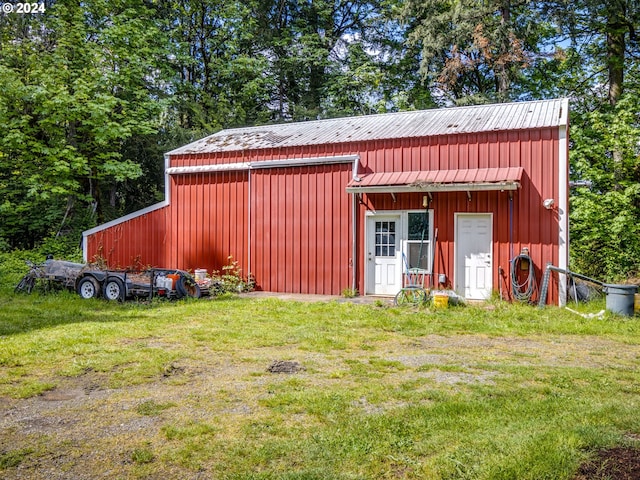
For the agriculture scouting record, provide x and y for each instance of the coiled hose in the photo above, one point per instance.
(523, 291)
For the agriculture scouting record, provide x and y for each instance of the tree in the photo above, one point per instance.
(475, 51)
(218, 73)
(605, 226)
(603, 51)
(80, 82)
(324, 56)
(604, 32)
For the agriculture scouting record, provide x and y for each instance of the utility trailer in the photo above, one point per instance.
(90, 281)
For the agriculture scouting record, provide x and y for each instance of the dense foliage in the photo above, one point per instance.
(94, 93)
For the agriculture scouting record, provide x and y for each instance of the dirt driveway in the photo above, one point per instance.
(84, 430)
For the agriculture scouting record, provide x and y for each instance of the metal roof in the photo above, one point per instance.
(507, 178)
(422, 123)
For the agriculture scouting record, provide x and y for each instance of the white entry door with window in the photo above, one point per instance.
(473, 255)
(384, 257)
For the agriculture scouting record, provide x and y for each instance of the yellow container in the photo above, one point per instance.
(636, 304)
(440, 300)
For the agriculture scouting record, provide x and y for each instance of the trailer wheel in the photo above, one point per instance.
(114, 290)
(188, 288)
(88, 287)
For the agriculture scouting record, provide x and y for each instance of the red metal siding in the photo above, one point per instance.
(300, 229)
(533, 226)
(201, 233)
(137, 242)
(300, 217)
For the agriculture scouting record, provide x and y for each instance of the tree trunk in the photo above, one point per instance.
(616, 31)
(615, 60)
(502, 70)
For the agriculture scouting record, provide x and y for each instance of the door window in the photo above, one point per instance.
(385, 239)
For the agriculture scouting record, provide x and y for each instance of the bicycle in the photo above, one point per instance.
(28, 282)
(413, 291)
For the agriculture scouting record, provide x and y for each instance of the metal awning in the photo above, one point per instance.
(475, 179)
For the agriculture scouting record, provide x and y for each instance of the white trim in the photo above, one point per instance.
(291, 162)
(354, 173)
(396, 215)
(223, 167)
(302, 162)
(563, 213)
(167, 184)
(563, 121)
(405, 236)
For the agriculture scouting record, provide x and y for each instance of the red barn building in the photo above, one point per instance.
(321, 206)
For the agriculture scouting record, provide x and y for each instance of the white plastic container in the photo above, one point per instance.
(164, 283)
(200, 274)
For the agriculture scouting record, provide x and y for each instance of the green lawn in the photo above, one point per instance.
(182, 389)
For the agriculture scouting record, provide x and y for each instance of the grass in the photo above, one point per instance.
(181, 389)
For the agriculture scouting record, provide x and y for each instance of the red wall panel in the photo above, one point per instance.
(299, 218)
(138, 242)
(298, 244)
(533, 226)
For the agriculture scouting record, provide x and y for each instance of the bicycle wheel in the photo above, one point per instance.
(27, 284)
(31, 283)
(410, 296)
(22, 285)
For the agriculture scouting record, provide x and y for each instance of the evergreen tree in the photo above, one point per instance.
(475, 51)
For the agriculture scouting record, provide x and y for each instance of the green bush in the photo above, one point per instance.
(231, 280)
(62, 247)
(13, 264)
(13, 267)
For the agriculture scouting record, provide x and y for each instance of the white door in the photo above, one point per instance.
(384, 256)
(473, 248)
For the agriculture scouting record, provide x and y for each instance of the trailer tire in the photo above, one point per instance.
(88, 287)
(188, 288)
(114, 290)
